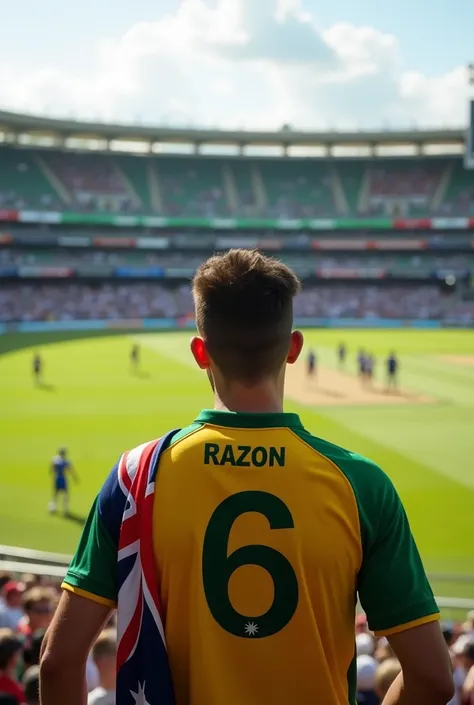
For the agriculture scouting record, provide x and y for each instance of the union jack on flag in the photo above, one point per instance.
(143, 673)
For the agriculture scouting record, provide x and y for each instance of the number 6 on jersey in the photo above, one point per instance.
(217, 566)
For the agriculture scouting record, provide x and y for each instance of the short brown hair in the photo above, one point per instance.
(105, 645)
(244, 312)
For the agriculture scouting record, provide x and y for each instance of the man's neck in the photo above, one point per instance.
(255, 400)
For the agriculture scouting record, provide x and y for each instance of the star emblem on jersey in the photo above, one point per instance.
(140, 698)
(251, 629)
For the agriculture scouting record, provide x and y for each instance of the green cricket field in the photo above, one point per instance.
(91, 402)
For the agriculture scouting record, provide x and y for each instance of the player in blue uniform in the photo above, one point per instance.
(60, 468)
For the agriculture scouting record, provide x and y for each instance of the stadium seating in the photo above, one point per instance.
(191, 187)
(397, 187)
(459, 197)
(92, 182)
(244, 177)
(351, 175)
(69, 301)
(198, 186)
(135, 170)
(23, 183)
(297, 189)
(301, 262)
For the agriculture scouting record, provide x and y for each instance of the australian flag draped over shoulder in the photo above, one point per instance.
(143, 673)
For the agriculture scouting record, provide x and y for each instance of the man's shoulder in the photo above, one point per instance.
(172, 437)
(360, 471)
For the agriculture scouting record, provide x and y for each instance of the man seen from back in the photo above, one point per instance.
(261, 537)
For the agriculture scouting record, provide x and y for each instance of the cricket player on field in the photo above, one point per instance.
(262, 535)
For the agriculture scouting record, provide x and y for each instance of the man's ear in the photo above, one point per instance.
(200, 354)
(296, 346)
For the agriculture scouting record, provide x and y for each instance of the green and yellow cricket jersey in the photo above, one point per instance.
(263, 536)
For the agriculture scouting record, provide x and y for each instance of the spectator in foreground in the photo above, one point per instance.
(104, 654)
(31, 685)
(468, 663)
(5, 577)
(10, 652)
(31, 654)
(385, 676)
(244, 305)
(38, 604)
(11, 612)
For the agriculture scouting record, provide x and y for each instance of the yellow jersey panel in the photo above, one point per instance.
(258, 547)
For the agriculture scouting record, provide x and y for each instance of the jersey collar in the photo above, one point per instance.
(233, 419)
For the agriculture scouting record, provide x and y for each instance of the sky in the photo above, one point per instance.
(340, 64)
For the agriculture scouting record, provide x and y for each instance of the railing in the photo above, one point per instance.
(26, 560)
(54, 565)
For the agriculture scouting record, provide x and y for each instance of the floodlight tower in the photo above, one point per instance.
(469, 150)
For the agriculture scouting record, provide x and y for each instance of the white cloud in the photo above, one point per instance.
(243, 63)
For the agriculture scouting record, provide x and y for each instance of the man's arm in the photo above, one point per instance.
(397, 597)
(426, 677)
(90, 594)
(65, 649)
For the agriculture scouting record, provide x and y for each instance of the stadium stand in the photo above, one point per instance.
(191, 186)
(403, 264)
(248, 187)
(245, 198)
(398, 186)
(297, 189)
(91, 182)
(459, 194)
(23, 182)
(95, 233)
(136, 171)
(81, 301)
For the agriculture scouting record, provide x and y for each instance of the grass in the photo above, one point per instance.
(95, 406)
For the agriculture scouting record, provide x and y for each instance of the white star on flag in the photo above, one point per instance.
(140, 698)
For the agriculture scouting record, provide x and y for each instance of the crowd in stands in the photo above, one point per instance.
(68, 257)
(43, 302)
(409, 189)
(408, 302)
(186, 195)
(85, 302)
(27, 607)
(463, 202)
(92, 182)
(209, 188)
(26, 610)
(10, 198)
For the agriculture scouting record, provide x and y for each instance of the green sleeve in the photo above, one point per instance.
(93, 569)
(392, 584)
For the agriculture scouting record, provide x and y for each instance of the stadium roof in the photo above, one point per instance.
(13, 125)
